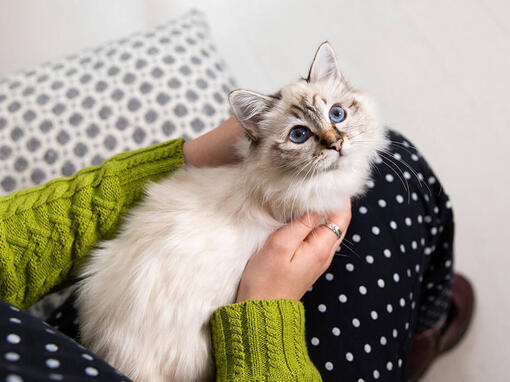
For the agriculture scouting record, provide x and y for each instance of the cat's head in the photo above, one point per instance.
(311, 127)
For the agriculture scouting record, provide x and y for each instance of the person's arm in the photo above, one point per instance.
(46, 232)
(262, 337)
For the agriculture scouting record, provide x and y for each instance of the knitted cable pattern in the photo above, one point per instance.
(264, 325)
(47, 231)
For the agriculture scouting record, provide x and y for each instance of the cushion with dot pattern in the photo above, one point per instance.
(147, 88)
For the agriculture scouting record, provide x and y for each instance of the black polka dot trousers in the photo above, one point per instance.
(390, 278)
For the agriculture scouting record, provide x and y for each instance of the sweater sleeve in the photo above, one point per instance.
(261, 341)
(47, 231)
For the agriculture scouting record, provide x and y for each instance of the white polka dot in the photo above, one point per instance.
(87, 357)
(389, 178)
(396, 277)
(310, 289)
(400, 362)
(13, 378)
(448, 204)
(394, 333)
(58, 315)
(399, 198)
(382, 203)
(408, 271)
(420, 177)
(414, 157)
(13, 308)
(378, 160)
(376, 374)
(15, 320)
(356, 238)
(407, 175)
(363, 210)
(322, 308)
(51, 331)
(363, 290)
(393, 224)
(370, 184)
(314, 341)
(342, 298)
(397, 156)
(414, 196)
(387, 253)
(91, 371)
(11, 356)
(406, 326)
(349, 267)
(373, 314)
(433, 231)
(419, 219)
(448, 263)
(427, 219)
(361, 380)
(349, 357)
(51, 347)
(389, 366)
(335, 331)
(380, 283)
(56, 377)
(367, 348)
(383, 341)
(13, 338)
(402, 248)
(417, 268)
(432, 180)
(408, 221)
(389, 308)
(369, 259)
(402, 302)
(414, 244)
(329, 276)
(355, 323)
(52, 363)
(376, 230)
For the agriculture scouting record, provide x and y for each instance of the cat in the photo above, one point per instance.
(145, 297)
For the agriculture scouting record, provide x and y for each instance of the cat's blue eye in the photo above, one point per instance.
(337, 114)
(299, 134)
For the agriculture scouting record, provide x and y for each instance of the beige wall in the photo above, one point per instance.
(438, 68)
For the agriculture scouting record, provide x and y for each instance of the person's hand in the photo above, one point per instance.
(293, 258)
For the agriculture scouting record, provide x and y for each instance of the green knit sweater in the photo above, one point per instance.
(46, 233)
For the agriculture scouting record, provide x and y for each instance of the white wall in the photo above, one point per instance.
(438, 68)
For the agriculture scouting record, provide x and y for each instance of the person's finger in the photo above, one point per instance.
(323, 236)
(288, 238)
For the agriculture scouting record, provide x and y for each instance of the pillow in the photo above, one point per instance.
(131, 93)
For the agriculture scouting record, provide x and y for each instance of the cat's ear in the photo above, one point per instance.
(249, 108)
(324, 66)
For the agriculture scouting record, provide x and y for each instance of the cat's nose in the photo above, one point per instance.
(337, 145)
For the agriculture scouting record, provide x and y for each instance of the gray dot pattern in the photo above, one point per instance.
(151, 87)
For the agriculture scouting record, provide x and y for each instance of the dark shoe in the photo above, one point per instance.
(447, 333)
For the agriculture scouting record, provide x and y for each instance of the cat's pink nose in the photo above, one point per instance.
(337, 145)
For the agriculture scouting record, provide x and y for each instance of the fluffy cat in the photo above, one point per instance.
(146, 296)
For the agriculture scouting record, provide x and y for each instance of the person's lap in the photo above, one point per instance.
(389, 279)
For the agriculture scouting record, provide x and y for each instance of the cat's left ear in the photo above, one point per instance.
(324, 66)
(249, 108)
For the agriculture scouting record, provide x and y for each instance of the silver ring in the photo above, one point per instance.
(333, 227)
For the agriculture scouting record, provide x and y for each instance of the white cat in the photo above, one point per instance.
(146, 296)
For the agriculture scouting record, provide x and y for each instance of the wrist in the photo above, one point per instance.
(214, 148)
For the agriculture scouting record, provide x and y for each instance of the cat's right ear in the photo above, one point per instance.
(249, 108)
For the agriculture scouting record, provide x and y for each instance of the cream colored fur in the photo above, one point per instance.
(146, 296)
